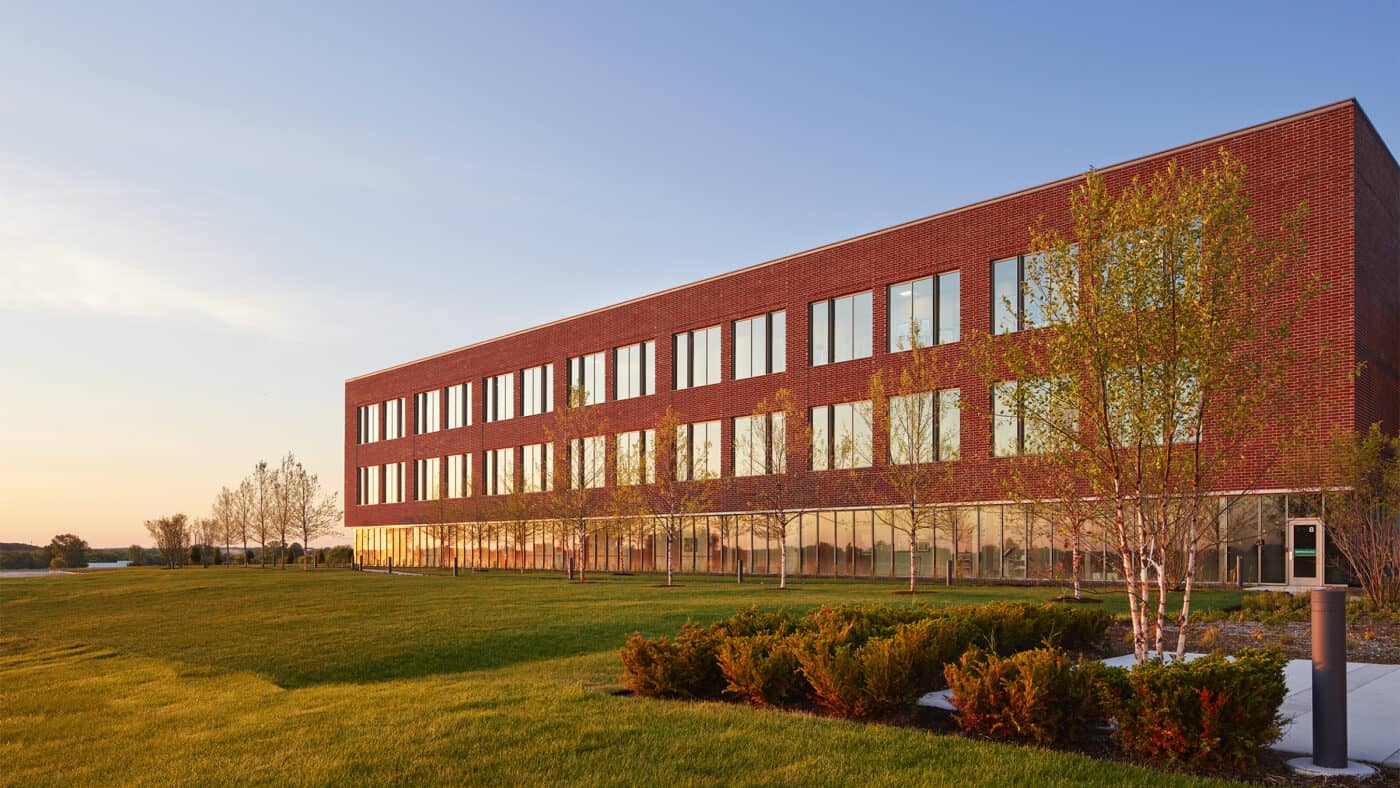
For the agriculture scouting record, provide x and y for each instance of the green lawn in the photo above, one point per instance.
(232, 675)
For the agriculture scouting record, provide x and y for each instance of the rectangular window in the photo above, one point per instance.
(924, 312)
(697, 355)
(587, 462)
(394, 416)
(841, 436)
(697, 451)
(500, 471)
(537, 390)
(760, 345)
(537, 467)
(393, 482)
(427, 479)
(924, 427)
(636, 457)
(499, 403)
(368, 487)
(1018, 303)
(427, 410)
(588, 373)
(368, 421)
(459, 476)
(1032, 417)
(760, 446)
(459, 405)
(1006, 420)
(841, 329)
(634, 370)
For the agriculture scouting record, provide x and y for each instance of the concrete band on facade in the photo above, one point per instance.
(1330, 158)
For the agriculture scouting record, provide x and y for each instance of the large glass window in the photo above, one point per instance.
(840, 329)
(427, 479)
(924, 312)
(394, 418)
(588, 462)
(427, 409)
(459, 406)
(537, 467)
(537, 390)
(636, 457)
(759, 445)
(698, 451)
(1050, 417)
(924, 427)
(500, 471)
(393, 482)
(634, 370)
(368, 487)
(499, 397)
(1016, 304)
(841, 436)
(588, 373)
(760, 345)
(459, 475)
(368, 424)
(697, 355)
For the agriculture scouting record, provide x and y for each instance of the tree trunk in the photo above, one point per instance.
(913, 566)
(583, 551)
(782, 558)
(1076, 562)
(668, 558)
(1185, 620)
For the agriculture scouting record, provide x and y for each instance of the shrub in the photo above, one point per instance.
(1275, 607)
(680, 667)
(762, 669)
(1009, 627)
(881, 675)
(1039, 695)
(752, 621)
(867, 619)
(58, 563)
(1210, 713)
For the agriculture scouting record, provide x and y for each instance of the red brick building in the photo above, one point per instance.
(452, 432)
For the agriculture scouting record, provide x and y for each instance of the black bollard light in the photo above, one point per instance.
(741, 570)
(948, 578)
(1329, 678)
(391, 564)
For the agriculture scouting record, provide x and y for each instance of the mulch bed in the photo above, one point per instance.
(1367, 641)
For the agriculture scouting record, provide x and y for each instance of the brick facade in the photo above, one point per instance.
(1330, 158)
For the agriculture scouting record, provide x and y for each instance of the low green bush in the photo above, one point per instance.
(1210, 713)
(762, 669)
(58, 563)
(1039, 695)
(679, 667)
(752, 621)
(1009, 627)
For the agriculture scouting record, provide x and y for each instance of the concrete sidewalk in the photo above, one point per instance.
(1373, 711)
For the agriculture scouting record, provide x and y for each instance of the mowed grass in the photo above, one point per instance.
(232, 675)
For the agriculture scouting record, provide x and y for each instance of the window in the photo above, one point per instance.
(587, 462)
(840, 329)
(393, 482)
(841, 436)
(760, 345)
(369, 485)
(697, 451)
(1030, 417)
(636, 457)
(537, 467)
(500, 398)
(368, 424)
(760, 445)
(459, 406)
(500, 471)
(924, 427)
(1018, 302)
(459, 476)
(587, 372)
(926, 306)
(1163, 406)
(697, 355)
(427, 409)
(634, 370)
(427, 479)
(394, 426)
(537, 390)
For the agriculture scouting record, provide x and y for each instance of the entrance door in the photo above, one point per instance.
(1305, 559)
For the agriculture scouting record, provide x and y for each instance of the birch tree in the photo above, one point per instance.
(1363, 510)
(579, 434)
(1152, 335)
(780, 497)
(679, 490)
(262, 486)
(314, 512)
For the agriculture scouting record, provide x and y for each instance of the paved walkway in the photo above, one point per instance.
(1373, 709)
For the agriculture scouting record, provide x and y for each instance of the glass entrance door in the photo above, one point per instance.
(1305, 552)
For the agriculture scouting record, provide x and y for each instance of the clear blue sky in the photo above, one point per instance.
(211, 216)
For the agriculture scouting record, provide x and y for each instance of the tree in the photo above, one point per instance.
(172, 537)
(70, 548)
(781, 495)
(916, 471)
(135, 555)
(225, 516)
(284, 486)
(448, 520)
(314, 513)
(1363, 510)
(579, 433)
(261, 487)
(1163, 318)
(516, 513)
(205, 532)
(668, 487)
